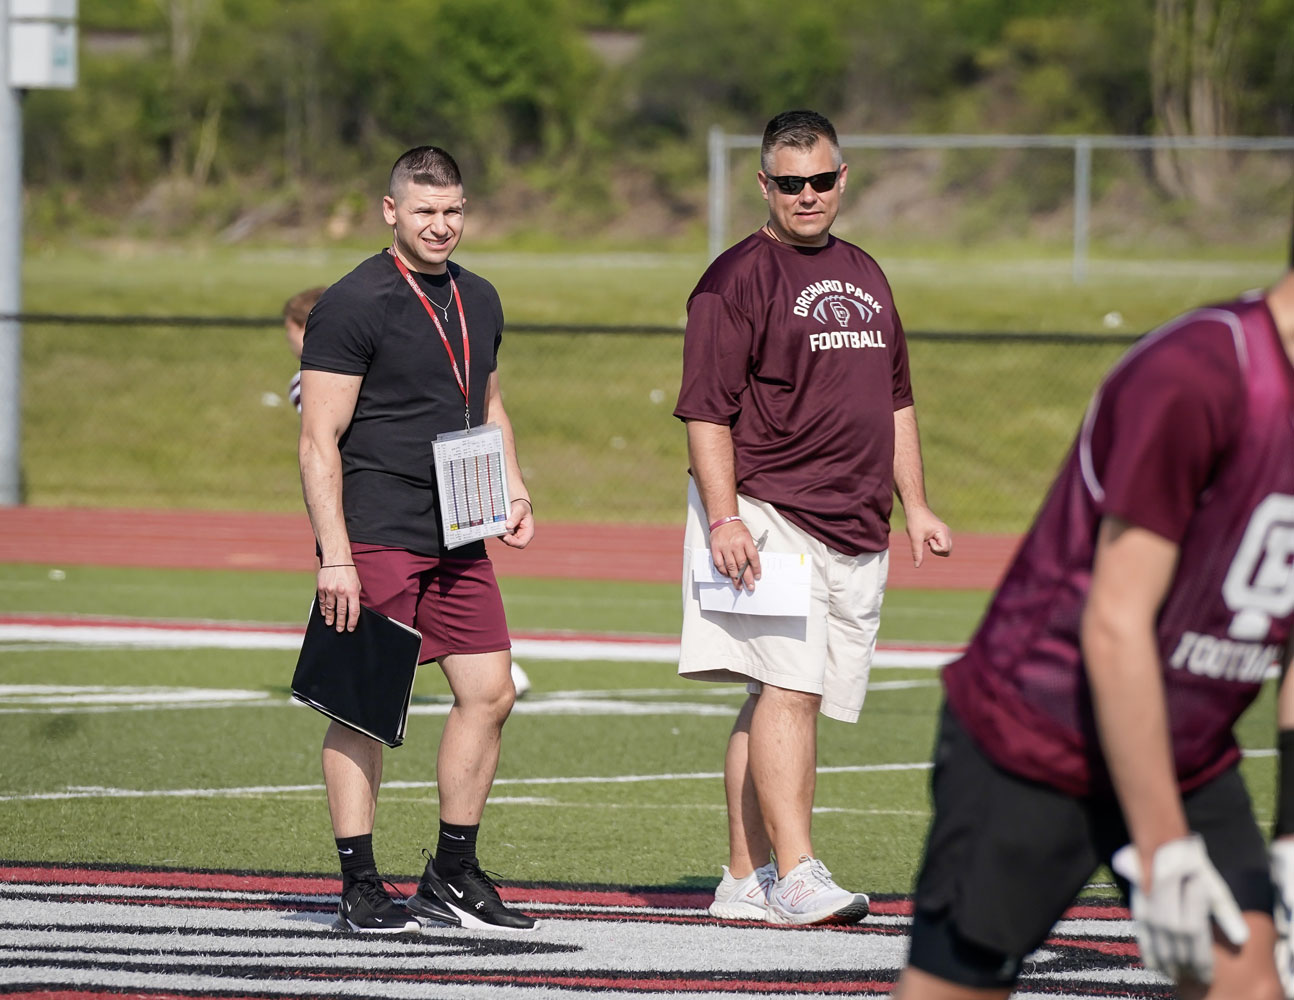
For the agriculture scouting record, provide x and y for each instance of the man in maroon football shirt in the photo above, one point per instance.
(1094, 706)
(800, 428)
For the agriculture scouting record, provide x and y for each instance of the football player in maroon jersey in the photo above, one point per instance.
(1090, 719)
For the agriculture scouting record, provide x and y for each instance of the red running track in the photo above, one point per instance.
(189, 539)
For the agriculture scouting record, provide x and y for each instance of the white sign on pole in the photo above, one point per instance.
(42, 44)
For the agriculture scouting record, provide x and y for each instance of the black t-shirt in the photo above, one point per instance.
(371, 323)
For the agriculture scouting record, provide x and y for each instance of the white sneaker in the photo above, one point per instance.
(519, 680)
(743, 898)
(807, 895)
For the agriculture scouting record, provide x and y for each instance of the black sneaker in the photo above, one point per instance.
(367, 907)
(472, 896)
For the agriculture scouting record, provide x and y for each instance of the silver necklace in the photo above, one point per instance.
(445, 308)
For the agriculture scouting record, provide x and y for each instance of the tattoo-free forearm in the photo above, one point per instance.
(714, 467)
(909, 471)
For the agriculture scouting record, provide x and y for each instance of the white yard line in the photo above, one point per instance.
(261, 791)
(180, 635)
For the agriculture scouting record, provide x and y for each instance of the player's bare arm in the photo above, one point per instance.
(713, 464)
(327, 405)
(924, 528)
(1132, 573)
(1177, 894)
(521, 517)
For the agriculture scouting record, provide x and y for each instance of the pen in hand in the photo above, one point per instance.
(759, 547)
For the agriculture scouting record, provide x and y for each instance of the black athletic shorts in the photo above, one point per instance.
(1005, 858)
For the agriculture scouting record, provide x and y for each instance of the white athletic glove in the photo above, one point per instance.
(1174, 929)
(1282, 854)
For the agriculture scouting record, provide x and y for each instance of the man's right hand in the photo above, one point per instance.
(337, 589)
(735, 554)
(1174, 910)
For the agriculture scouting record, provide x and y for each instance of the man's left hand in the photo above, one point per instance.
(520, 525)
(926, 529)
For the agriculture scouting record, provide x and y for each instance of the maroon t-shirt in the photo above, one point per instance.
(1191, 437)
(801, 352)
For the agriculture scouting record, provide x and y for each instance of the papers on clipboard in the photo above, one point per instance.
(472, 483)
(782, 589)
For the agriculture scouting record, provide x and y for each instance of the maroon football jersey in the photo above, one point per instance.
(801, 352)
(1191, 437)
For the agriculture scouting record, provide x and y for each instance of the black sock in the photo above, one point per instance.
(457, 845)
(355, 855)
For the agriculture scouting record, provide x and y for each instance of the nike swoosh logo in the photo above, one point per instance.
(347, 850)
(455, 890)
(454, 836)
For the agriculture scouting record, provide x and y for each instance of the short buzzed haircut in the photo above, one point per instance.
(798, 129)
(429, 165)
(297, 308)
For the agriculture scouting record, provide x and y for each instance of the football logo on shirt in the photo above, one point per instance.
(1260, 583)
(841, 310)
(844, 306)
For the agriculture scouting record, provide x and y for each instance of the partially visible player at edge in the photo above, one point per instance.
(395, 353)
(1096, 701)
(296, 311)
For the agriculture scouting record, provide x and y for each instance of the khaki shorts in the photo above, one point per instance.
(828, 653)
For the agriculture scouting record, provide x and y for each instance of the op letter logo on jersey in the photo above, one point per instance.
(1260, 583)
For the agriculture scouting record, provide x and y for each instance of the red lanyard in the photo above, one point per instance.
(462, 326)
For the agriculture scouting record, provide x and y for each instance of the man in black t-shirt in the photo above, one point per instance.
(403, 349)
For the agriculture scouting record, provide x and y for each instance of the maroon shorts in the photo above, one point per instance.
(454, 603)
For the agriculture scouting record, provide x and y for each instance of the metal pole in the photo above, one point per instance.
(718, 189)
(1082, 205)
(10, 276)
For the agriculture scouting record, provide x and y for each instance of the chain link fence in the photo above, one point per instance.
(193, 412)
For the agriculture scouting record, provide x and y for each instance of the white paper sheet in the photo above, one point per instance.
(472, 484)
(782, 589)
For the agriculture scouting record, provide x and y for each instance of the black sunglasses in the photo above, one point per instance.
(791, 184)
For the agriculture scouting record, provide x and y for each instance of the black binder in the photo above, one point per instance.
(362, 679)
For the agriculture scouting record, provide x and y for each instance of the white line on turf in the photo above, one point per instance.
(251, 791)
(156, 635)
(52, 699)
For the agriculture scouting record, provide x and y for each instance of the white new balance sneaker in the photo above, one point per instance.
(808, 895)
(743, 898)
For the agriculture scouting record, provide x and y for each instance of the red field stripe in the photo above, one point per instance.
(1081, 911)
(145, 626)
(195, 539)
(283, 628)
(217, 881)
(169, 624)
(1126, 949)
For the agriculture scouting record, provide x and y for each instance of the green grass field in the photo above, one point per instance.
(595, 796)
(122, 416)
(178, 417)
